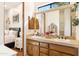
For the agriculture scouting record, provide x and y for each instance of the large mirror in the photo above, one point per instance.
(60, 22)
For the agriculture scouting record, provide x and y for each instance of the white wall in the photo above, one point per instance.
(1, 23)
(67, 22)
(40, 18)
(29, 9)
(13, 12)
(52, 17)
(77, 27)
(77, 32)
(6, 17)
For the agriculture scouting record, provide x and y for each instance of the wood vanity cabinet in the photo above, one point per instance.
(57, 53)
(60, 50)
(36, 48)
(32, 48)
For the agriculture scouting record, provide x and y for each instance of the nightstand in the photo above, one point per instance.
(18, 43)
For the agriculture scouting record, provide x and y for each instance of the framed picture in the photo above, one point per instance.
(16, 18)
(33, 23)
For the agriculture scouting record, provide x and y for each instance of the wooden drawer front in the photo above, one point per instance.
(54, 53)
(43, 54)
(45, 45)
(63, 54)
(65, 49)
(44, 50)
(32, 42)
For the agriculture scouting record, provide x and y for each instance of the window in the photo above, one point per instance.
(44, 8)
(52, 5)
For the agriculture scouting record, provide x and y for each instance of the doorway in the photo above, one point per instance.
(14, 26)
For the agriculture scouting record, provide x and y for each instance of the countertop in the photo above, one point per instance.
(67, 42)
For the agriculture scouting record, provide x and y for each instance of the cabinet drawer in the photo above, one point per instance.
(43, 54)
(44, 50)
(32, 42)
(65, 49)
(54, 53)
(45, 45)
(63, 54)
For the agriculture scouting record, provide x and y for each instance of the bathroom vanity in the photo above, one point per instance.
(41, 46)
(58, 21)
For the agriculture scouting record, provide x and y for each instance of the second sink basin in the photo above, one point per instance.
(63, 40)
(38, 37)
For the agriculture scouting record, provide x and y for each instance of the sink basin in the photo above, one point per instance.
(63, 40)
(60, 40)
(38, 37)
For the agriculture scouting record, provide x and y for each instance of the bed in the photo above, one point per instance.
(10, 36)
(5, 51)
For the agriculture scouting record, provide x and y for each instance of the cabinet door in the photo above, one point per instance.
(35, 50)
(30, 49)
